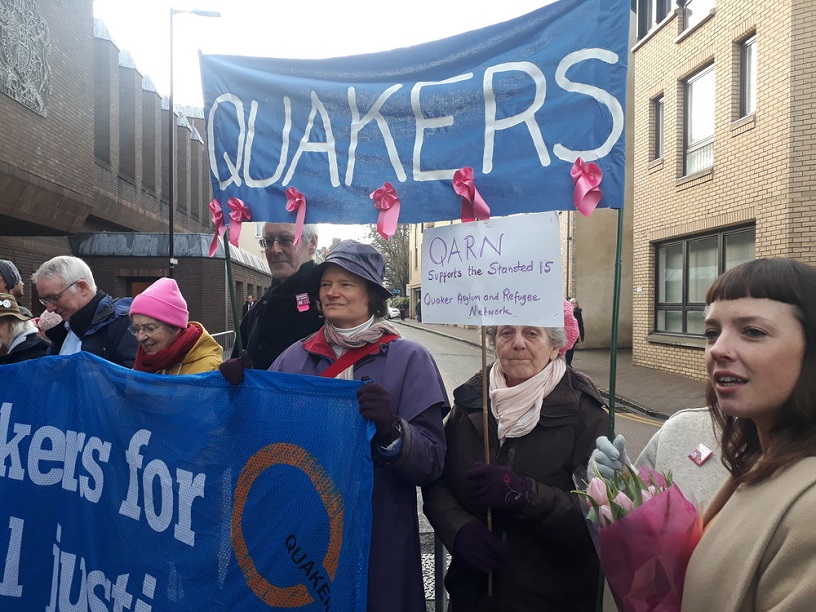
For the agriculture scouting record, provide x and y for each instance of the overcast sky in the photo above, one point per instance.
(284, 28)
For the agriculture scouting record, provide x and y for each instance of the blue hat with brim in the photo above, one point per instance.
(360, 259)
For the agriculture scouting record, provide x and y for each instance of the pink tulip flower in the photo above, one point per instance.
(624, 502)
(597, 490)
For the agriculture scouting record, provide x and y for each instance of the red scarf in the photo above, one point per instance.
(172, 355)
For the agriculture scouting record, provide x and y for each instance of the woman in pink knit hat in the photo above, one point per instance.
(542, 422)
(168, 342)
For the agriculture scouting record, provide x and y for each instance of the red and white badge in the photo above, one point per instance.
(701, 454)
(302, 300)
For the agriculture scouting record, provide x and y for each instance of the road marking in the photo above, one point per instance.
(638, 418)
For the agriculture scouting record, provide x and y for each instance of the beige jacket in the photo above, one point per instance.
(759, 551)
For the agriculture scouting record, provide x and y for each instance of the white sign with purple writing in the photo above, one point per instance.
(504, 271)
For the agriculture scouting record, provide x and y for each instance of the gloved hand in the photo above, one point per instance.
(375, 405)
(233, 369)
(609, 457)
(498, 487)
(478, 547)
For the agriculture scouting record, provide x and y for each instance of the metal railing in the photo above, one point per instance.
(226, 340)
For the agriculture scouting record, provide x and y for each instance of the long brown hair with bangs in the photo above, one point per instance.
(794, 434)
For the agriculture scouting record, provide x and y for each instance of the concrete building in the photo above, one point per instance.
(724, 158)
(83, 165)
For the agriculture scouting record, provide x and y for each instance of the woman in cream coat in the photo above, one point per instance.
(758, 551)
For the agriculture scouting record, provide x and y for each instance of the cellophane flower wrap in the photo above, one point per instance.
(644, 530)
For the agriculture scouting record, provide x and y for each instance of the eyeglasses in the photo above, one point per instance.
(53, 299)
(143, 329)
(284, 240)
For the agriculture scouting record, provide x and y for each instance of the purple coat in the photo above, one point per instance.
(407, 370)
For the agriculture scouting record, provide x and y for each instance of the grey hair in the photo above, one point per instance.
(69, 269)
(17, 328)
(557, 336)
(309, 232)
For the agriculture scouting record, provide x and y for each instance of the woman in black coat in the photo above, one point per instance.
(543, 422)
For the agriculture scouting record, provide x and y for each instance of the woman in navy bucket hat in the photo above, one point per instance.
(406, 400)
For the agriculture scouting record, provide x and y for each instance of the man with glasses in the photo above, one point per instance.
(93, 321)
(285, 313)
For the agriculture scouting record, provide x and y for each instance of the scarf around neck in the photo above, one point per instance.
(369, 334)
(172, 355)
(517, 409)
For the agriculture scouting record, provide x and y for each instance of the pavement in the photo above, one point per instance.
(637, 389)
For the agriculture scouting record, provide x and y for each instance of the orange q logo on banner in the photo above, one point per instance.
(298, 595)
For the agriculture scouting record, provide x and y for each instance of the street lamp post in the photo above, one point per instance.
(171, 142)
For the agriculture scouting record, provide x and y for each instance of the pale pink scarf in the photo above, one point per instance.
(517, 409)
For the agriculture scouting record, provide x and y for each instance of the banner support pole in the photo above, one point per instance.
(236, 323)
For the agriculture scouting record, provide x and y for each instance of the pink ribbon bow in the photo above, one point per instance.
(218, 221)
(587, 178)
(473, 206)
(386, 199)
(296, 201)
(239, 212)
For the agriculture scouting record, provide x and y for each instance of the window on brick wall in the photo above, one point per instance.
(657, 128)
(748, 76)
(695, 11)
(699, 118)
(650, 13)
(685, 270)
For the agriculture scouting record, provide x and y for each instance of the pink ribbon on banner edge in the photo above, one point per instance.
(239, 212)
(587, 178)
(218, 221)
(473, 205)
(296, 201)
(388, 202)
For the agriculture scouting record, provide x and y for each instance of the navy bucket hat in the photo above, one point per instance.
(362, 260)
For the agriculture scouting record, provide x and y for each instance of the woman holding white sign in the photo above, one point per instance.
(543, 422)
(406, 401)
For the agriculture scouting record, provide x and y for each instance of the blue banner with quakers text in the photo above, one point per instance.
(518, 102)
(121, 490)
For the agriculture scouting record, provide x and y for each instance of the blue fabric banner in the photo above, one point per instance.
(121, 490)
(518, 102)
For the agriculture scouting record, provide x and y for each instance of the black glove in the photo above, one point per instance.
(498, 486)
(478, 547)
(233, 369)
(375, 405)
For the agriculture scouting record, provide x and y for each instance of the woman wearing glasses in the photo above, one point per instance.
(168, 342)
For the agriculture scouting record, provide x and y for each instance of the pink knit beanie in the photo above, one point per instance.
(570, 327)
(162, 301)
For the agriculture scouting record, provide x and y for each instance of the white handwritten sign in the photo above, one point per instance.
(499, 272)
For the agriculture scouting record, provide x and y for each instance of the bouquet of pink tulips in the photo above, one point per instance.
(644, 531)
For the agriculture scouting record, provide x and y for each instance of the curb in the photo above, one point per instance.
(621, 402)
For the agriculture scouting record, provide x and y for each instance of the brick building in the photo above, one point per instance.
(724, 158)
(83, 165)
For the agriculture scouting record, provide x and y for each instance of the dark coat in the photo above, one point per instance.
(274, 322)
(550, 562)
(105, 332)
(30, 348)
(579, 318)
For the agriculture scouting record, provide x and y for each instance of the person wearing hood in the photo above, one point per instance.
(93, 321)
(168, 342)
(18, 336)
(406, 401)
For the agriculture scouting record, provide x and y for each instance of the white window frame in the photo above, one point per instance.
(748, 76)
(699, 148)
